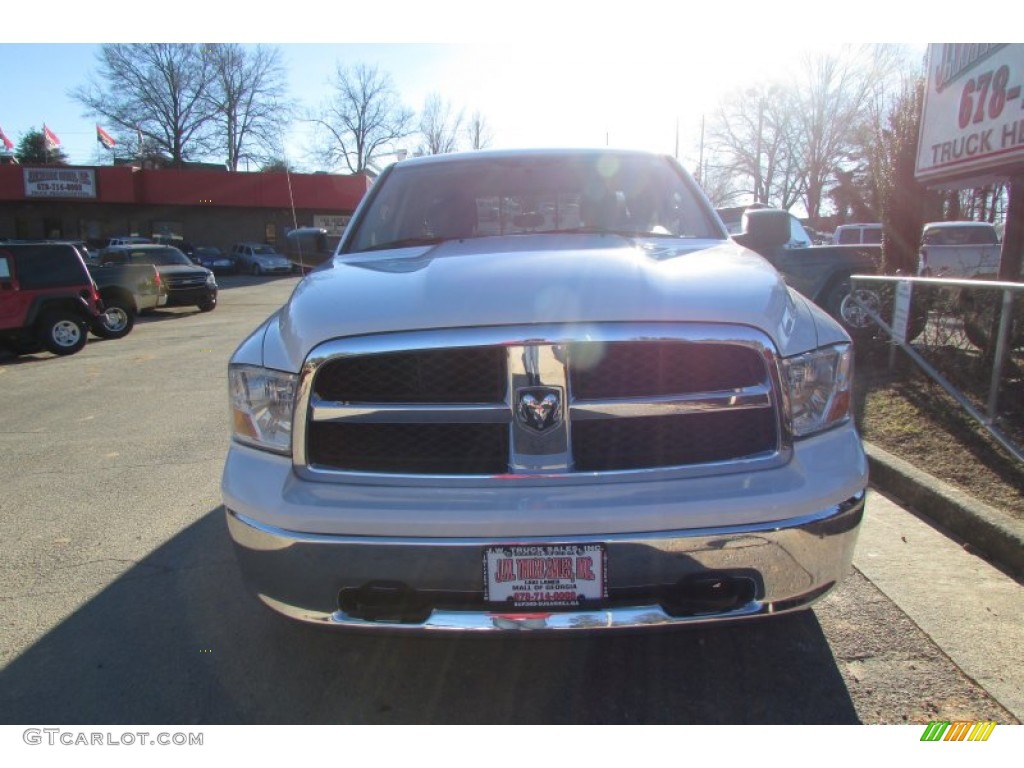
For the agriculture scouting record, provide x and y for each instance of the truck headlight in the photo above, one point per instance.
(262, 404)
(819, 386)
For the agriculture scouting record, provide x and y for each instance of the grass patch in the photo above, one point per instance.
(905, 413)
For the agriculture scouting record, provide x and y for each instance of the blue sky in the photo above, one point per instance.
(542, 74)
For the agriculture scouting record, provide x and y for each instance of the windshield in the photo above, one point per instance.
(161, 257)
(631, 195)
(961, 236)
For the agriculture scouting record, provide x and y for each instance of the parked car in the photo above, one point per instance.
(127, 240)
(959, 249)
(47, 298)
(857, 234)
(589, 411)
(968, 249)
(259, 259)
(213, 258)
(186, 283)
(127, 290)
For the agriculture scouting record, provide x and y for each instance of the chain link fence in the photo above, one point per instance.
(968, 335)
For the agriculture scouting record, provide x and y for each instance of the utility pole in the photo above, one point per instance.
(700, 161)
(757, 162)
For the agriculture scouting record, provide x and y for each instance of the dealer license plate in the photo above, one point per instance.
(545, 576)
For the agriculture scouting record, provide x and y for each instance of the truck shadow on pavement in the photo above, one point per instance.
(177, 639)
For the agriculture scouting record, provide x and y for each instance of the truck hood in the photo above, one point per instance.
(549, 279)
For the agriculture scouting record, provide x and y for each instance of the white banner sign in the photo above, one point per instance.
(972, 126)
(335, 225)
(60, 182)
(901, 310)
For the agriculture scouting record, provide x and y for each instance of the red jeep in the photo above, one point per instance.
(47, 298)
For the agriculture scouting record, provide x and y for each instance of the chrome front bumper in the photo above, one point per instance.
(790, 563)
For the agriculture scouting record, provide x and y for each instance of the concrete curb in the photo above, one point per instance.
(988, 531)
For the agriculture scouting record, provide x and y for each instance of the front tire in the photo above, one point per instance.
(116, 322)
(256, 271)
(841, 304)
(208, 304)
(62, 332)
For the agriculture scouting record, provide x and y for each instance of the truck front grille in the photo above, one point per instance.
(513, 402)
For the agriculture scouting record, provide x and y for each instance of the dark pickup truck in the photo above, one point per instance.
(822, 272)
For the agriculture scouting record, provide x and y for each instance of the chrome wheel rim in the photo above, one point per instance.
(66, 333)
(855, 315)
(115, 319)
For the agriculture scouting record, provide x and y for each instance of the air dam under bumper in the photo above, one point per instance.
(788, 564)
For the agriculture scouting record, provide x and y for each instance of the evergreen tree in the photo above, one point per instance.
(31, 150)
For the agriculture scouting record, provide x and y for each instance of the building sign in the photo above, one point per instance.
(972, 125)
(60, 182)
(335, 225)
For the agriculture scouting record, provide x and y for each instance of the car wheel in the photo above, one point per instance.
(841, 304)
(62, 332)
(256, 270)
(117, 321)
(208, 304)
(848, 307)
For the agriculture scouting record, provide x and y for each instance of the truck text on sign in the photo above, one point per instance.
(972, 127)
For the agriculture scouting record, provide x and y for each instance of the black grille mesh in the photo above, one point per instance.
(653, 368)
(460, 449)
(456, 375)
(667, 441)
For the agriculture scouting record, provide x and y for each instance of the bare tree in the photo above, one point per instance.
(363, 116)
(834, 96)
(156, 94)
(478, 132)
(719, 184)
(751, 135)
(440, 125)
(248, 96)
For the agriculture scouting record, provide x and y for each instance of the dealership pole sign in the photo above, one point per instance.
(972, 125)
(60, 182)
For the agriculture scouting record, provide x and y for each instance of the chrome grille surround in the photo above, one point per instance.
(536, 358)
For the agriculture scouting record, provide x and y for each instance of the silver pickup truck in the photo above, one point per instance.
(543, 391)
(959, 249)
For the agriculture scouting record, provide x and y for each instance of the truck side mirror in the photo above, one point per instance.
(764, 229)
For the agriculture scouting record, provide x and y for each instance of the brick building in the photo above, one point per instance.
(202, 206)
